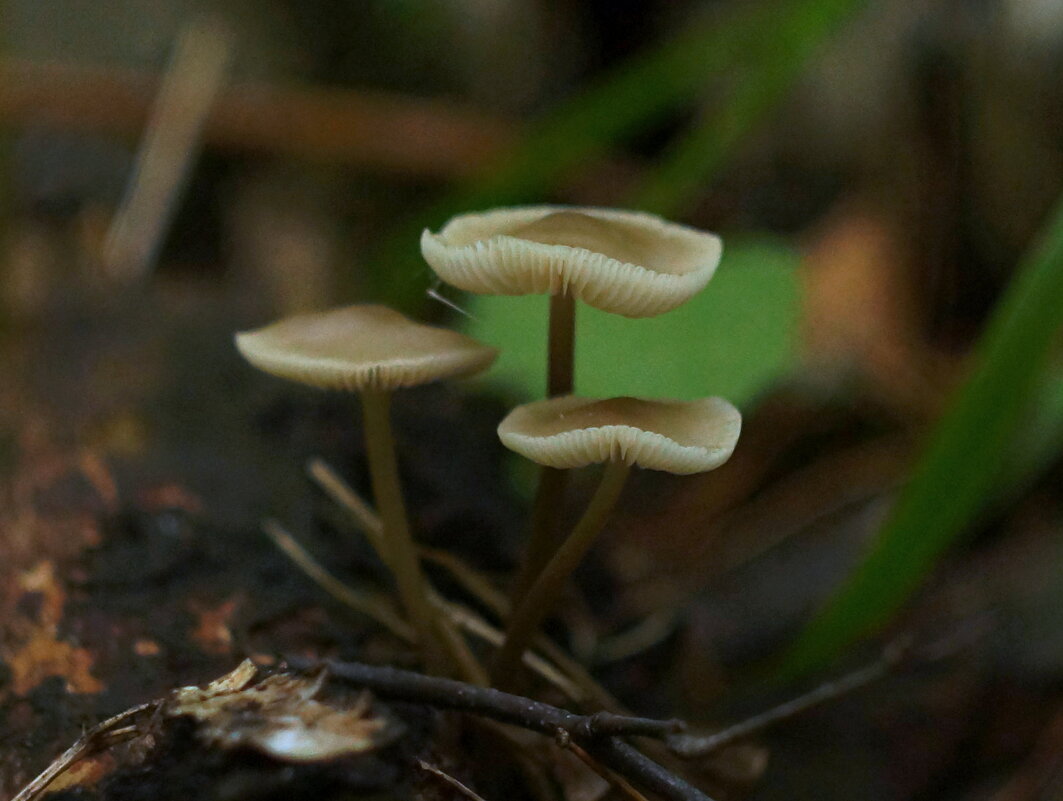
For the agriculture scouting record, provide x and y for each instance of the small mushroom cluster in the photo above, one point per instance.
(628, 263)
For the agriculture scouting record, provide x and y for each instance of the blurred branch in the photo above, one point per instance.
(168, 149)
(598, 733)
(357, 128)
(473, 582)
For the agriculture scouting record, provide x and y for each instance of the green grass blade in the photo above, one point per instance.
(1038, 444)
(959, 472)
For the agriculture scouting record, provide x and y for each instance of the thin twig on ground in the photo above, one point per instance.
(363, 514)
(376, 608)
(504, 707)
(365, 517)
(469, 621)
(446, 778)
(598, 734)
(596, 737)
(621, 784)
(99, 738)
(471, 580)
(693, 746)
(370, 605)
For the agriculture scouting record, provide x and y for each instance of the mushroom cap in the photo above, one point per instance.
(625, 262)
(361, 347)
(674, 436)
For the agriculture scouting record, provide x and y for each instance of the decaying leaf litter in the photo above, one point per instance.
(152, 594)
(85, 493)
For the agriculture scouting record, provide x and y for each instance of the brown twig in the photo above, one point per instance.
(564, 740)
(98, 738)
(899, 652)
(372, 606)
(340, 126)
(597, 734)
(470, 622)
(376, 608)
(448, 779)
(360, 510)
(476, 584)
(168, 148)
(495, 704)
(365, 517)
(693, 747)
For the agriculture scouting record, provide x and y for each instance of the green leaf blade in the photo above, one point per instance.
(955, 479)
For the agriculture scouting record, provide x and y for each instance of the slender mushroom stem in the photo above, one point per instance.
(439, 643)
(546, 535)
(401, 553)
(540, 600)
(562, 345)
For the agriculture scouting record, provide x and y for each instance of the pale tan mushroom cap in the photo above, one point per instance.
(625, 262)
(674, 436)
(361, 347)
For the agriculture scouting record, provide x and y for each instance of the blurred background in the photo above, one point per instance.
(885, 175)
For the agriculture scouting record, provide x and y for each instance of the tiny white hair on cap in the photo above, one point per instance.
(625, 262)
(673, 436)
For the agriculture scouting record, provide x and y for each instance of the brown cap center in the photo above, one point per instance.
(577, 230)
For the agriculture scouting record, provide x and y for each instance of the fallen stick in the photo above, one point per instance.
(598, 734)
(338, 126)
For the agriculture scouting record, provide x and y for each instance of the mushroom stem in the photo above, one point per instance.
(562, 345)
(540, 600)
(546, 536)
(401, 553)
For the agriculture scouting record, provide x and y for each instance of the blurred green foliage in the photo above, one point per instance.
(733, 339)
(1009, 399)
(1038, 443)
(769, 56)
(765, 45)
(762, 42)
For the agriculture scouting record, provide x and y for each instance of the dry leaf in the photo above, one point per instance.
(281, 717)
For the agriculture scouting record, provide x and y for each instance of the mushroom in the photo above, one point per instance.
(373, 350)
(679, 437)
(626, 262)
